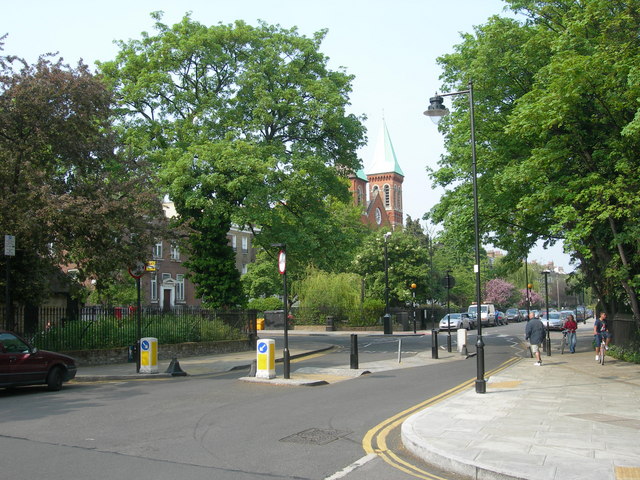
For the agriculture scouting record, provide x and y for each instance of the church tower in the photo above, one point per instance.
(385, 178)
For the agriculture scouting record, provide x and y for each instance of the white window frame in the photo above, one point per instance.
(154, 286)
(174, 253)
(180, 287)
(157, 250)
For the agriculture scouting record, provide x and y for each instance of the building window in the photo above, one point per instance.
(244, 268)
(154, 287)
(179, 287)
(234, 243)
(245, 244)
(175, 253)
(387, 196)
(359, 196)
(157, 250)
(374, 191)
(165, 277)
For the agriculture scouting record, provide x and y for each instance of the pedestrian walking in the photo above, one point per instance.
(570, 325)
(534, 334)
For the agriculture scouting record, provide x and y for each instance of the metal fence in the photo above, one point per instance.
(89, 328)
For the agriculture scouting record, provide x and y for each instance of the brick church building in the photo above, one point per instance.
(379, 191)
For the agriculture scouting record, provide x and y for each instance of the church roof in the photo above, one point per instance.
(360, 174)
(384, 157)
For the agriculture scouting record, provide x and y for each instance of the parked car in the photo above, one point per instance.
(23, 364)
(524, 315)
(555, 321)
(514, 315)
(455, 321)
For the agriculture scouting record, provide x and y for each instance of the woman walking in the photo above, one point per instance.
(571, 326)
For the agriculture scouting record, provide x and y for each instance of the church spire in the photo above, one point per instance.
(384, 156)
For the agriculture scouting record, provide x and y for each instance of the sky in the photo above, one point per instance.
(390, 47)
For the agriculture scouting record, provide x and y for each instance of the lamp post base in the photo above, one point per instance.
(481, 382)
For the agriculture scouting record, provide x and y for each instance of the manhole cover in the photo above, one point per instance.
(315, 436)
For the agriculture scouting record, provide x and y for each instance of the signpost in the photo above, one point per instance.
(137, 272)
(282, 268)
(9, 251)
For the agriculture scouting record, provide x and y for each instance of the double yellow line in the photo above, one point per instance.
(375, 440)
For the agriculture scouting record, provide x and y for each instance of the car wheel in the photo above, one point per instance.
(54, 379)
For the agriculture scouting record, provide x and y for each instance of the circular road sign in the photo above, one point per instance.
(282, 262)
(137, 271)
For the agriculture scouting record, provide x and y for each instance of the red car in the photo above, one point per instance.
(22, 364)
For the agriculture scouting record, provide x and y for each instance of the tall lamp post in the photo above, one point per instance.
(546, 301)
(387, 317)
(436, 111)
(413, 293)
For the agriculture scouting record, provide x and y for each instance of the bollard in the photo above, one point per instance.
(354, 351)
(330, 325)
(148, 355)
(400, 351)
(434, 343)
(386, 322)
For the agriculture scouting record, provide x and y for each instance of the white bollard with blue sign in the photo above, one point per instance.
(149, 355)
(266, 363)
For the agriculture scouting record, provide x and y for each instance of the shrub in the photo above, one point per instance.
(264, 304)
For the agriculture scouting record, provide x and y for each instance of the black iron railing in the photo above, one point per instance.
(61, 329)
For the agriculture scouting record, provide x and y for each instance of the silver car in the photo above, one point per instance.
(454, 321)
(554, 322)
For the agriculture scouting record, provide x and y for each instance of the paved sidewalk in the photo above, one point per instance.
(569, 419)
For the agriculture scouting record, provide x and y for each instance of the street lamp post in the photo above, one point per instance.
(387, 316)
(436, 111)
(413, 292)
(546, 301)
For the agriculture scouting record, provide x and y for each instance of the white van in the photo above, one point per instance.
(487, 313)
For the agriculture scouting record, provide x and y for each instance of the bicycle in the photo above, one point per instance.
(564, 341)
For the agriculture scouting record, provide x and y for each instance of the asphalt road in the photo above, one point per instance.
(218, 427)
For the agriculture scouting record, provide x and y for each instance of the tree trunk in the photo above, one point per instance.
(631, 294)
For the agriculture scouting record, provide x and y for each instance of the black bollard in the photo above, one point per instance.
(354, 351)
(434, 343)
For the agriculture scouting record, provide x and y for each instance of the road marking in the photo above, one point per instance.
(354, 466)
(375, 440)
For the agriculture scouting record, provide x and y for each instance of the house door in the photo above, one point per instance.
(166, 300)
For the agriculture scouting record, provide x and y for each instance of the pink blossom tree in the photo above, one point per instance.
(501, 293)
(535, 298)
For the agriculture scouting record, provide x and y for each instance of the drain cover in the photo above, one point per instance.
(315, 436)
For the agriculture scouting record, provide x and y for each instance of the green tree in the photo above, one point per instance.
(557, 119)
(69, 192)
(408, 262)
(267, 121)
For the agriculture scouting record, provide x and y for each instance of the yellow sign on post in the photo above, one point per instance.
(266, 362)
(149, 355)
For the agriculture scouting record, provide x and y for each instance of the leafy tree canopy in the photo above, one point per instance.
(267, 121)
(557, 115)
(68, 191)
